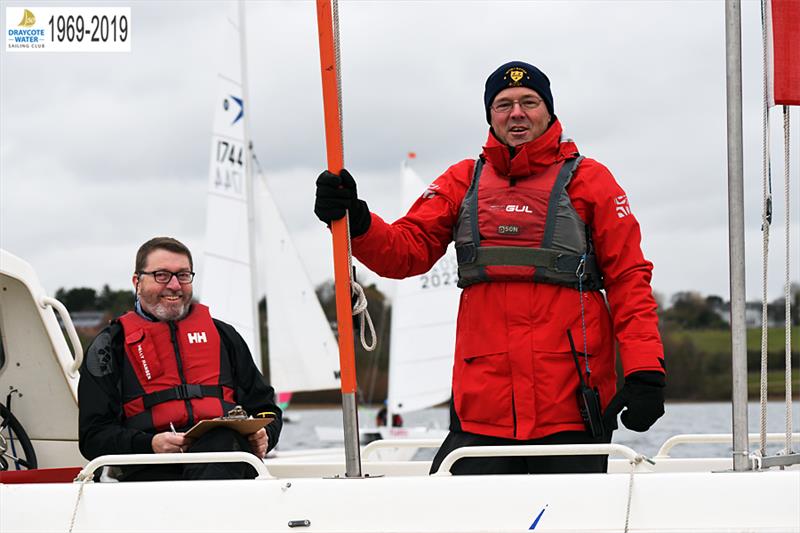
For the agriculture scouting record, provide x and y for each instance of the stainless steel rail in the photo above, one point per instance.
(714, 438)
(172, 458)
(77, 349)
(538, 450)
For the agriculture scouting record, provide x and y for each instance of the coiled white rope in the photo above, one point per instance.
(360, 308)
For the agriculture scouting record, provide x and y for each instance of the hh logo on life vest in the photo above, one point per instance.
(199, 336)
(623, 208)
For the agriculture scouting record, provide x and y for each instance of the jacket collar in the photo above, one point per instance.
(532, 157)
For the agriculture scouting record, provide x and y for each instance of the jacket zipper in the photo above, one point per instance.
(514, 410)
(173, 334)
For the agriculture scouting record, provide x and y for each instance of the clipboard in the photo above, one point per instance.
(244, 426)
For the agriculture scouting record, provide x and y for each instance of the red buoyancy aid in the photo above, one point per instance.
(176, 372)
(524, 230)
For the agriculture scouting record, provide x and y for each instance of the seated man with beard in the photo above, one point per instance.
(154, 372)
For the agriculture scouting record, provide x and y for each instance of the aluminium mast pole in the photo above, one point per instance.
(250, 189)
(329, 67)
(733, 55)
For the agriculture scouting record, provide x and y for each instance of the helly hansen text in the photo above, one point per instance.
(144, 361)
(199, 336)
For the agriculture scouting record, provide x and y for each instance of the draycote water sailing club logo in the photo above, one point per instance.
(68, 29)
(28, 19)
(26, 34)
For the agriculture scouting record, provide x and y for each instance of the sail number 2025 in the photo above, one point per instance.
(443, 274)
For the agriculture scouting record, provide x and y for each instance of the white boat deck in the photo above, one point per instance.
(672, 495)
(308, 491)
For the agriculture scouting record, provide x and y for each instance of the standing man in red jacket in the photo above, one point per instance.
(554, 282)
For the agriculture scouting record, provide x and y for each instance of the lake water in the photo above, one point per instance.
(714, 417)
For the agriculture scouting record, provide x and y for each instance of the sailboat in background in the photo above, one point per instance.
(302, 350)
(424, 309)
(303, 354)
(423, 326)
(229, 281)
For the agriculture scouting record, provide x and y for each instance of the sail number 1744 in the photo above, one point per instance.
(229, 171)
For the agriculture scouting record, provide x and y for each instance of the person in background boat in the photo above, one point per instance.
(157, 370)
(547, 244)
(381, 417)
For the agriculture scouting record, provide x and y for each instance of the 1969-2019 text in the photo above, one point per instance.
(99, 28)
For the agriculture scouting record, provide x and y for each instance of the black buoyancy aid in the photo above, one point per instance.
(175, 372)
(524, 230)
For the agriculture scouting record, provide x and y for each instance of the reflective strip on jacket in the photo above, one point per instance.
(513, 373)
(174, 372)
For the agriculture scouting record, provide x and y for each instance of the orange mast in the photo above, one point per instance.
(328, 38)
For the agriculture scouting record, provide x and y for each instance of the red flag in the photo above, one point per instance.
(783, 26)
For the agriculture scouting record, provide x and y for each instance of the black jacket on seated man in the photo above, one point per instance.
(156, 371)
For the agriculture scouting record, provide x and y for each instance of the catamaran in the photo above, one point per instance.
(743, 492)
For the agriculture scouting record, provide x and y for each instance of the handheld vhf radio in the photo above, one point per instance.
(588, 398)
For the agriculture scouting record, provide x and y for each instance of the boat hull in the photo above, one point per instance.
(665, 502)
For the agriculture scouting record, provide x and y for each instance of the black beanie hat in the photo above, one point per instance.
(517, 74)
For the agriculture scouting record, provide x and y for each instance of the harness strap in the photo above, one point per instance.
(476, 271)
(538, 257)
(181, 392)
(562, 180)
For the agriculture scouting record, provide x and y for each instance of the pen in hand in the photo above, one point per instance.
(172, 427)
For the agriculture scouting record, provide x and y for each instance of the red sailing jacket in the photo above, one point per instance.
(513, 373)
(174, 371)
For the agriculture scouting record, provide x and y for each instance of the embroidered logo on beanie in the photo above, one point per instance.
(516, 74)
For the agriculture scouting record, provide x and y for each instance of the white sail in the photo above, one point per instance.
(303, 353)
(423, 327)
(227, 283)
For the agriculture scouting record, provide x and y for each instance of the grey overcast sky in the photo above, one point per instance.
(103, 151)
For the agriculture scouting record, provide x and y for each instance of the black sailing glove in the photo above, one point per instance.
(335, 195)
(643, 395)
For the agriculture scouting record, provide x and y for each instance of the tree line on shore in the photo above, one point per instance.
(694, 329)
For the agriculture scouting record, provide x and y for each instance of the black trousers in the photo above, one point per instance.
(216, 440)
(554, 464)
